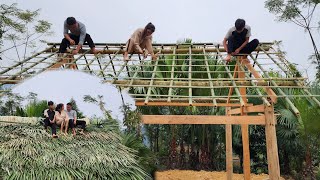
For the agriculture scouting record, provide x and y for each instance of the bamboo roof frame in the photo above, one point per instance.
(138, 73)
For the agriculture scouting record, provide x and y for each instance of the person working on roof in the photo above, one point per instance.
(77, 36)
(141, 42)
(237, 42)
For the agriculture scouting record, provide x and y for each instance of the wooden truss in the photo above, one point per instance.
(177, 77)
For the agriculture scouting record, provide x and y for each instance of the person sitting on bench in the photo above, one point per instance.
(61, 118)
(141, 42)
(237, 42)
(73, 122)
(49, 119)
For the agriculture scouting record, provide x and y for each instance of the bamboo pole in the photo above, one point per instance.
(204, 84)
(151, 82)
(26, 60)
(190, 76)
(210, 79)
(27, 68)
(298, 83)
(295, 110)
(172, 74)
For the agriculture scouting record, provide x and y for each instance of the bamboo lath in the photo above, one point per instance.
(181, 71)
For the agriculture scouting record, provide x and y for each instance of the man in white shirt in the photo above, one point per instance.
(237, 42)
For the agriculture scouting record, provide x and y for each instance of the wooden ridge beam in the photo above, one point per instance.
(163, 51)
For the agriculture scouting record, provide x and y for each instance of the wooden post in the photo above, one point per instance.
(246, 151)
(244, 128)
(272, 146)
(229, 158)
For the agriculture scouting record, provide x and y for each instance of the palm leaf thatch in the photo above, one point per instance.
(28, 152)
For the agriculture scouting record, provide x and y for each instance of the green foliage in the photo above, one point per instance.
(21, 28)
(301, 13)
(146, 157)
(10, 103)
(36, 108)
(30, 153)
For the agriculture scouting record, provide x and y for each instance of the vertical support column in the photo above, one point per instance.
(272, 146)
(229, 158)
(244, 127)
(246, 151)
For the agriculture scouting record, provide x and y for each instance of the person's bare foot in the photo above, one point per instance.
(126, 58)
(94, 51)
(54, 136)
(228, 58)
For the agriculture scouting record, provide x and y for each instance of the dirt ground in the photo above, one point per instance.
(203, 175)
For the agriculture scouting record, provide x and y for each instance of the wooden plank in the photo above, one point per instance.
(246, 150)
(202, 119)
(165, 51)
(229, 158)
(272, 147)
(62, 61)
(248, 109)
(244, 127)
(269, 91)
(142, 103)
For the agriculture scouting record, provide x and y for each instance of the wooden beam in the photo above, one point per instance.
(62, 61)
(272, 147)
(164, 51)
(202, 119)
(229, 158)
(248, 109)
(270, 92)
(244, 127)
(140, 103)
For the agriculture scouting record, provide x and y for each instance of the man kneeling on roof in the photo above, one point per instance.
(141, 42)
(77, 36)
(236, 41)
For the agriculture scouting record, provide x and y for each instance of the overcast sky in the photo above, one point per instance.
(201, 20)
